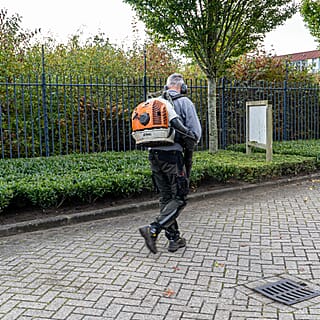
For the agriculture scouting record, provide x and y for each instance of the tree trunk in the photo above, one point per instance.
(212, 115)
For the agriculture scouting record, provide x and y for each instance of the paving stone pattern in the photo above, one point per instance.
(236, 241)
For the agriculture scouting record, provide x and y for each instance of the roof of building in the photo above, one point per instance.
(301, 55)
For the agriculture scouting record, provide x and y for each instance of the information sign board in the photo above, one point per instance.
(259, 126)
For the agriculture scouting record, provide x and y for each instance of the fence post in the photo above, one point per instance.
(1, 133)
(44, 102)
(285, 135)
(145, 74)
(223, 118)
(285, 89)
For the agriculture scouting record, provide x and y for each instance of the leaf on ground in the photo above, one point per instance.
(244, 244)
(217, 264)
(168, 293)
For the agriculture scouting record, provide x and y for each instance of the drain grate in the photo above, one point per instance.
(287, 291)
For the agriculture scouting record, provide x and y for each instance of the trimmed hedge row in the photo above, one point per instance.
(226, 165)
(48, 182)
(308, 148)
(83, 178)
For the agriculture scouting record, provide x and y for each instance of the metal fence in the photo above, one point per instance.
(295, 109)
(45, 116)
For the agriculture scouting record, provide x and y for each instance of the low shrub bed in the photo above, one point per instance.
(226, 165)
(49, 182)
(309, 148)
(84, 178)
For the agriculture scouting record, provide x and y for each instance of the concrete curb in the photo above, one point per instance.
(64, 220)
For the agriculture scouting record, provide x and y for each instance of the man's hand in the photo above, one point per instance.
(189, 140)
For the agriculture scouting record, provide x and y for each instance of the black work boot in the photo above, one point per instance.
(174, 245)
(150, 237)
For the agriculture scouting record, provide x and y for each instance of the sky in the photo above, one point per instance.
(62, 18)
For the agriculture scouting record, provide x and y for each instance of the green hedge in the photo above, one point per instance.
(309, 148)
(83, 178)
(47, 182)
(226, 165)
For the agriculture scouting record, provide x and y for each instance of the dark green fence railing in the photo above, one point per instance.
(45, 116)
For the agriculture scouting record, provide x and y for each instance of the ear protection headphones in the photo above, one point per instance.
(184, 88)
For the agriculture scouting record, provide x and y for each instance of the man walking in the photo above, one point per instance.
(170, 167)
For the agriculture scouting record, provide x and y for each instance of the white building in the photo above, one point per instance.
(307, 59)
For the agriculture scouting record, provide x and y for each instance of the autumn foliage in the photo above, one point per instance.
(266, 66)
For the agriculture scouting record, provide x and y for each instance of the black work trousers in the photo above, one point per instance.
(169, 176)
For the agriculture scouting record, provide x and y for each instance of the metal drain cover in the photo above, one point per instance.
(287, 291)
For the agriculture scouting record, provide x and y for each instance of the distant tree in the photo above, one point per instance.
(97, 57)
(20, 54)
(160, 61)
(310, 11)
(212, 32)
(264, 66)
(14, 42)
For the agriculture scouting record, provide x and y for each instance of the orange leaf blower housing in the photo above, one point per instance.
(150, 124)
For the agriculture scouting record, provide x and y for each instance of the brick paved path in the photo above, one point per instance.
(101, 270)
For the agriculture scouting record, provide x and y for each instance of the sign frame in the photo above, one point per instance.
(259, 133)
